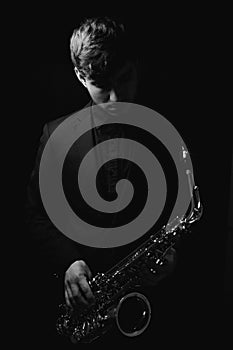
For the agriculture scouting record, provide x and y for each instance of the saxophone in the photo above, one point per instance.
(114, 291)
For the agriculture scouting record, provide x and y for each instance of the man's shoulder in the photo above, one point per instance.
(53, 124)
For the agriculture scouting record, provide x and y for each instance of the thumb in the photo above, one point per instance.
(88, 272)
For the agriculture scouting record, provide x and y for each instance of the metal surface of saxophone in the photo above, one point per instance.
(114, 290)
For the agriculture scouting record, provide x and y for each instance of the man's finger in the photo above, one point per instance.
(86, 290)
(67, 299)
(76, 294)
(88, 272)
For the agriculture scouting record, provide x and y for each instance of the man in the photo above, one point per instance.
(105, 63)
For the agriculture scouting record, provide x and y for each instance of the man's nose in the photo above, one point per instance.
(113, 96)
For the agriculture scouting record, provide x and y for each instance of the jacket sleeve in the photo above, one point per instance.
(56, 250)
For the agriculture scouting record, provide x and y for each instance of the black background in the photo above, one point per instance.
(179, 54)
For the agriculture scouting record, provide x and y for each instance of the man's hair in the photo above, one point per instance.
(100, 46)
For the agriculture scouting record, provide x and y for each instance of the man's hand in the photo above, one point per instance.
(150, 278)
(77, 289)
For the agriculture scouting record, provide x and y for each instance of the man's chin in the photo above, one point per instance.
(115, 108)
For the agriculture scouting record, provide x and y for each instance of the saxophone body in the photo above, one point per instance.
(115, 291)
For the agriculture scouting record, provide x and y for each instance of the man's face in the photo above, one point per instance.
(121, 87)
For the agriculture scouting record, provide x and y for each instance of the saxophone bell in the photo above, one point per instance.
(133, 314)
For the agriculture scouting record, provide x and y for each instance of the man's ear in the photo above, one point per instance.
(80, 77)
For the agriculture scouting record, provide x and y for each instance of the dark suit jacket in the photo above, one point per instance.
(57, 252)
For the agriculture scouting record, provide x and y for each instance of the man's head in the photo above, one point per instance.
(104, 61)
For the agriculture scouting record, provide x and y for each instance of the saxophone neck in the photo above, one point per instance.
(196, 208)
